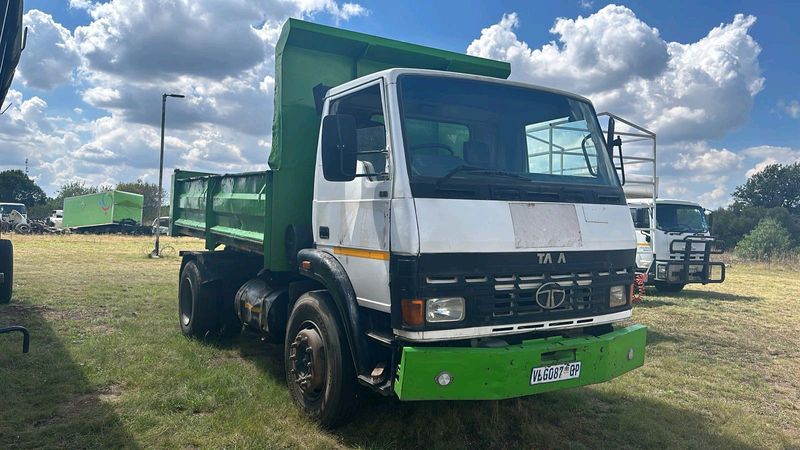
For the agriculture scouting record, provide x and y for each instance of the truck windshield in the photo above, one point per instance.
(7, 209)
(465, 137)
(681, 218)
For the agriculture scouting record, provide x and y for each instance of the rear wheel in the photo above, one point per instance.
(319, 369)
(7, 269)
(196, 302)
(669, 288)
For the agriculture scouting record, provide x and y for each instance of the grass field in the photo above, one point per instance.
(109, 367)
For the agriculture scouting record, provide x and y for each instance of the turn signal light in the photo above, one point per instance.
(413, 312)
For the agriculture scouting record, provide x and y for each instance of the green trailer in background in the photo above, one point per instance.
(103, 210)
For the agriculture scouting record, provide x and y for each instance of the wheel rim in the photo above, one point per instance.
(307, 361)
(186, 303)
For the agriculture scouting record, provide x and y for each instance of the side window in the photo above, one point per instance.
(366, 107)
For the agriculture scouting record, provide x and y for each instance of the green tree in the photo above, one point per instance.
(74, 189)
(733, 223)
(776, 186)
(150, 193)
(768, 240)
(71, 189)
(17, 187)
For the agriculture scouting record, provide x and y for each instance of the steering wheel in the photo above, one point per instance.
(434, 145)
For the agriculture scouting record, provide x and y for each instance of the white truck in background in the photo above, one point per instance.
(674, 242)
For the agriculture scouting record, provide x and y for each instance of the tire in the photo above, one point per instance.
(329, 396)
(196, 302)
(22, 228)
(669, 288)
(7, 269)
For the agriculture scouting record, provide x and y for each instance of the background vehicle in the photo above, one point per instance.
(107, 211)
(14, 216)
(12, 42)
(427, 234)
(162, 223)
(677, 244)
(674, 244)
(56, 218)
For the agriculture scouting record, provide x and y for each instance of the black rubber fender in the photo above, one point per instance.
(326, 269)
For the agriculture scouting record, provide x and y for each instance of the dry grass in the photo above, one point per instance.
(109, 368)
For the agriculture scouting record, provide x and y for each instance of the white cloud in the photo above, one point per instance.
(700, 158)
(792, 108)
(50, 56)
(765, 155)
(692, 91)
(220, 54)
(82, 4)
(688, 93)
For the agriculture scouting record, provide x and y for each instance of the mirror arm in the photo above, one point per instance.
(618, 143)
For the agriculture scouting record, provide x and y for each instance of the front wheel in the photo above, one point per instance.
(669, 288)
(319, 368)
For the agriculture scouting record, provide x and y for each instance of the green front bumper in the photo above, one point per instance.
(505, 372)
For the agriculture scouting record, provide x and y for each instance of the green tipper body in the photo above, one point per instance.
(505, 372)
(103, 208)
(306, 55)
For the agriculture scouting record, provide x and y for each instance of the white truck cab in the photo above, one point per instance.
(8, 209)
(674, 244)
(446, 180)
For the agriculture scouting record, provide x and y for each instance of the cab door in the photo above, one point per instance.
(351, 218)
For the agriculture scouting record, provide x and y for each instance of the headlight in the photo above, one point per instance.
(446, 309)
(661, 271)
(616, 296)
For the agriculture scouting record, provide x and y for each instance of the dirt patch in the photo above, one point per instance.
(15, 312)
(110, 394)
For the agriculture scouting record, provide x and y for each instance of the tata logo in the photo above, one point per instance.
(550, 296)
(547, 258)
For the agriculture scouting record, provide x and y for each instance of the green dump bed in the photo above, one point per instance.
(222, 209)
(253, 210)
(102, 208)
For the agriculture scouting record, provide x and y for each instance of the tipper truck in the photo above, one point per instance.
(427, 229)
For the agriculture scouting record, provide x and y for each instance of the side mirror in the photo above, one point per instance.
(709, 218)
(339, 147)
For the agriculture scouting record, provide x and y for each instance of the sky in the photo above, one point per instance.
(717, 81)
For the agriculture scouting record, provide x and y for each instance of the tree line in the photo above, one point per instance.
(763, 221)
(17, 187)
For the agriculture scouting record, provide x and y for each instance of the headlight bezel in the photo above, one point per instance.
(435, 306)
(617, 296)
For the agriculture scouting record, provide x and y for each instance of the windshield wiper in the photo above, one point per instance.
(480, 171)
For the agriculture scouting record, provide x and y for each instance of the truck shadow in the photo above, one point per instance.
(655, 300)
(716, 296)
(577, 418)
(655, 337)
(46, 399)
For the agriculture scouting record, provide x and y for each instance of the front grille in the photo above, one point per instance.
(509, 298)
(500, 288)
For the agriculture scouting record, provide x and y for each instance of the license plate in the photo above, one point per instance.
(560, 372)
